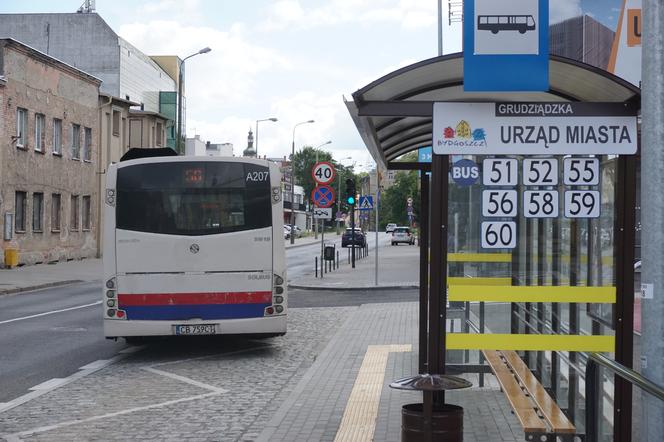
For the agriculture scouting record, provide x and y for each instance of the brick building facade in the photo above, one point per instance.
(49, 138)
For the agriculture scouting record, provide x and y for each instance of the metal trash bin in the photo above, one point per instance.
(446, 422)
(328, 253)
(11, 257)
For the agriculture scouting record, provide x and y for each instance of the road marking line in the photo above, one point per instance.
(95, 365)
(234, 352)
(359, 420)
(17, 436)
(186, 380)
(49, 385)
(50, 313)
(68, 380)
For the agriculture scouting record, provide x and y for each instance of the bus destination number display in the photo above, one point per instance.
(581, 171)
(193, 175)
(540, 172)
(498, 235)
(582, 204)
(499, 203)
(500, 172)
(540, 203)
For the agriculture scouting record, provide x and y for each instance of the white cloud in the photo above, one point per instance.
(560, 10)
(184, 10)
(225, 75)
(408, 14)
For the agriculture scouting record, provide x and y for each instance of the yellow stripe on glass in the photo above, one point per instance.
(479, 257)
(457, 280)
(491, 341)
(498, 293)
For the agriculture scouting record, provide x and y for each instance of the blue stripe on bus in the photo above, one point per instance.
(202, 311)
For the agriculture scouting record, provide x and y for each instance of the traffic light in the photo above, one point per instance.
(350, 192)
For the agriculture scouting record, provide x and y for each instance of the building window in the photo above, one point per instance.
(116, 123)
(73, 219)
(20, 208)
(55, 212)
(86, 212)
(87, 144)
(21, 127)
(57, 136)
(37, 212)
(40, 132)
(75, 141)
(160, 134)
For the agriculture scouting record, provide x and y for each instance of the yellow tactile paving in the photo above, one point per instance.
(359, 420)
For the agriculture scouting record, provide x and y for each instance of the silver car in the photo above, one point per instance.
(402, 234)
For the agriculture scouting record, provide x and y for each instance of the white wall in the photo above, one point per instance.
(141, 78)
(194, 146)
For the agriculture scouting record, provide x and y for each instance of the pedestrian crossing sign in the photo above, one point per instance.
(366, 202)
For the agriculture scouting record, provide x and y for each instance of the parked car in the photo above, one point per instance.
(390, 227)
(298, 231)
(402, 234)
(347, 240)
(286, 233)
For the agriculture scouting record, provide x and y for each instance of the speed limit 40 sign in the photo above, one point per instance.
(323, 172)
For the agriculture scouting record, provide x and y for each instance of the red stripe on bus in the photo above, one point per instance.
(129, 299)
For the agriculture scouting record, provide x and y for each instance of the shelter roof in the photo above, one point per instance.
(394, 114)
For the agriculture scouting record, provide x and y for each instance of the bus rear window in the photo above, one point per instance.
(193, 198)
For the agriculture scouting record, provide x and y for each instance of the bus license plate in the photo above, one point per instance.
(197, 329)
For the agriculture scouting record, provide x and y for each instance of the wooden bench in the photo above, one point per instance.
(537, 412)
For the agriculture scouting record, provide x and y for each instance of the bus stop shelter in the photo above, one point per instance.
(394, 116)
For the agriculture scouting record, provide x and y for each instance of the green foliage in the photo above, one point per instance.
(304, 161)
(393, 201)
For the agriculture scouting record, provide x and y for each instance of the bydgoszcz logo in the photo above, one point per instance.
(463, 136)
(194, 248)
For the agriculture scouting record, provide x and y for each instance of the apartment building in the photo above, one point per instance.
(49, 148)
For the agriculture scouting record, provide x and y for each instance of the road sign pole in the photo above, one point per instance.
(652, 165)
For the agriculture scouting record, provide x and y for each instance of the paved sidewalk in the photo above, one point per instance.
(398, 267)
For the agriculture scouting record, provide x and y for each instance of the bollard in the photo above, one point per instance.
(348, 256)
(337, 259)
(316, 265)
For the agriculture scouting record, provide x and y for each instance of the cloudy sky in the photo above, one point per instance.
(290, 59)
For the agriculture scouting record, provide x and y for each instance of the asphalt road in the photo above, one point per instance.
(64, 336)
(51, 333)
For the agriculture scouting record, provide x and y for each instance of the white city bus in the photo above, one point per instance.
(193, 246)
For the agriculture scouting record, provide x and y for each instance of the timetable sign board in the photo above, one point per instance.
(534, 128)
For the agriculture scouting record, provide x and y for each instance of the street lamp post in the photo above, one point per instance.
(292, 207)
(316, 149)
(258, 121)
(178, 143)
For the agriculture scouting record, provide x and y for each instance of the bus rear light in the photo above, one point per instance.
(110, 303)
(110, 294)
(278, 290)
(110, 312)
(278, 299)
(269, 311)
(121, 314)
(110, 284)
(278, 280)
(279, 308)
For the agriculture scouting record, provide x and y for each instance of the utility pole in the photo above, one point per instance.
(652, 213)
